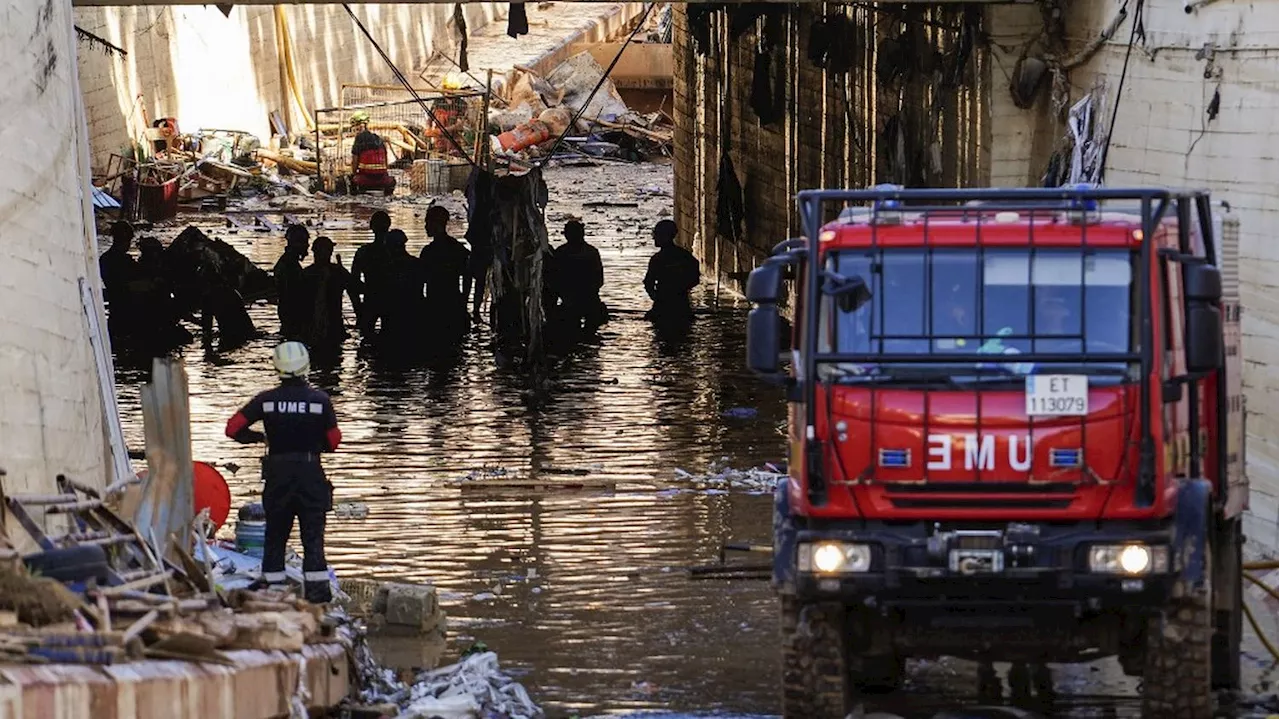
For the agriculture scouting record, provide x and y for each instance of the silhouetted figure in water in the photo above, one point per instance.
(325, 282)
(479, 234)
(579, 275)
(160, 308)
(369, 268)
(673, 273)
(445, 270)
(222, 304)
(292, 305)
(120, 277)
(402, 292)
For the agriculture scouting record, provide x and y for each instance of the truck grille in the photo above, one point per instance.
(980, 495)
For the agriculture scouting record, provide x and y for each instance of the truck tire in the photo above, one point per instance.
(814, 672)
(1178, 668)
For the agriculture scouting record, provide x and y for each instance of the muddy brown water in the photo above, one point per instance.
(577, 583)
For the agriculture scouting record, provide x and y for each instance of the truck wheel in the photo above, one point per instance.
(1176, 676)
(814, 671)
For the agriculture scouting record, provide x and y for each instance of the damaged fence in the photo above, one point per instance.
(434, 142)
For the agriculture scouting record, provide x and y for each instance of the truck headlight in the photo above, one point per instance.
(833, 557)
(1128, 559)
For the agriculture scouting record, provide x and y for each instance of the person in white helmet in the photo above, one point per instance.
(299, 425)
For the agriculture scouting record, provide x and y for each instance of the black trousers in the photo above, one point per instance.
(296, 488)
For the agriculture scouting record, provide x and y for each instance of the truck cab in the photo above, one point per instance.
(1016, 434)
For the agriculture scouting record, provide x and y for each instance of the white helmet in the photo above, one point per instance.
(292, 359)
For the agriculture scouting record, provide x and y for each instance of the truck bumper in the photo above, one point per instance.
(1044, 603)
(1048, 565)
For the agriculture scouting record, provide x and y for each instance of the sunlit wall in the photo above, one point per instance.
(224, 72)
(50, 400)
(1171, 132)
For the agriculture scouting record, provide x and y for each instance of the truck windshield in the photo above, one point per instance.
(1004, 302)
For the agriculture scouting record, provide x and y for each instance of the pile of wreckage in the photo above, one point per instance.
(81, 585)
(532, 112)
(574, 112)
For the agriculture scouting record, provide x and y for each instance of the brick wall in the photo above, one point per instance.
(50, 406)
(1164, 136)
(832, 131)
(220, 72)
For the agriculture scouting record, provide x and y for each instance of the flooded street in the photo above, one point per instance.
(554, 522)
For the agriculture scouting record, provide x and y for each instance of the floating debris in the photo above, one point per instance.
(721, 480)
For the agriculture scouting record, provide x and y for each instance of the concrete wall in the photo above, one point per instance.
(51, 413)
(1164, 136)
(213, 71)
(834, 130)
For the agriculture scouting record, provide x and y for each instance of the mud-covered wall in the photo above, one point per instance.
(811, 96)
(51, 412)
(224, 72)
(1198, 109)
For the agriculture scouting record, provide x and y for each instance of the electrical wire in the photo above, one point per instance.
(605, 76)
(405, 81)
(1124, 72)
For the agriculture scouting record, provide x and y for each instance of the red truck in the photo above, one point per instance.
(1016, 434)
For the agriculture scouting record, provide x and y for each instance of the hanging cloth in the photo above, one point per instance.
(730, 201)
(517, 20)
(460, 22)
(819, 41)
(700, 26)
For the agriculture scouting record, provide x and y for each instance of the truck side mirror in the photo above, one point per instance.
(1203, 288)
(764, 284)
(763, 335)
(1202, 283)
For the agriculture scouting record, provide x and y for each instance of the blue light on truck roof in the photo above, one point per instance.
(1065, 457)
(1086, 205)
(895, 458)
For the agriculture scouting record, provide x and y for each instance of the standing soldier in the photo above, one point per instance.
(673, 273)
(300, 425)
(291, 298)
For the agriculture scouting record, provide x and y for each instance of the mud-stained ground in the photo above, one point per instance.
(575, 581)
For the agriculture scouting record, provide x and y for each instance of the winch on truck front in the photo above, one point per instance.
(1016, 434)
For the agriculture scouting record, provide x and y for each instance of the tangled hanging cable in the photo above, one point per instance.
(1124, 71)
(405, 82)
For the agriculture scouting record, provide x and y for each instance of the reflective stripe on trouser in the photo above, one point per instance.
(275, 579)
(297, 489)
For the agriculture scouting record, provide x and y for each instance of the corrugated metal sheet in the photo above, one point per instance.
(257, 687)
(103, 201)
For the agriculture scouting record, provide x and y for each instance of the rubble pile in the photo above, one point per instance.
(532, 112)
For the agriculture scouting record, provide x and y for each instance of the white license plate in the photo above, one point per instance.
(1057, 395)
(976, 561)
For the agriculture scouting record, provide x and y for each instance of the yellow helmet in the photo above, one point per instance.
(360, 117)
(292, 359)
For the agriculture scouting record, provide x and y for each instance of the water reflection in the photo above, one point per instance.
(600, 609)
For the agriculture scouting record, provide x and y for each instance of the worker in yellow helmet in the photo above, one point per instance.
(368, 158)
(299, 424)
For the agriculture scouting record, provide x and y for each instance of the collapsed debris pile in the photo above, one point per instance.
(97, 592)
(533, 112)
(100, 593)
